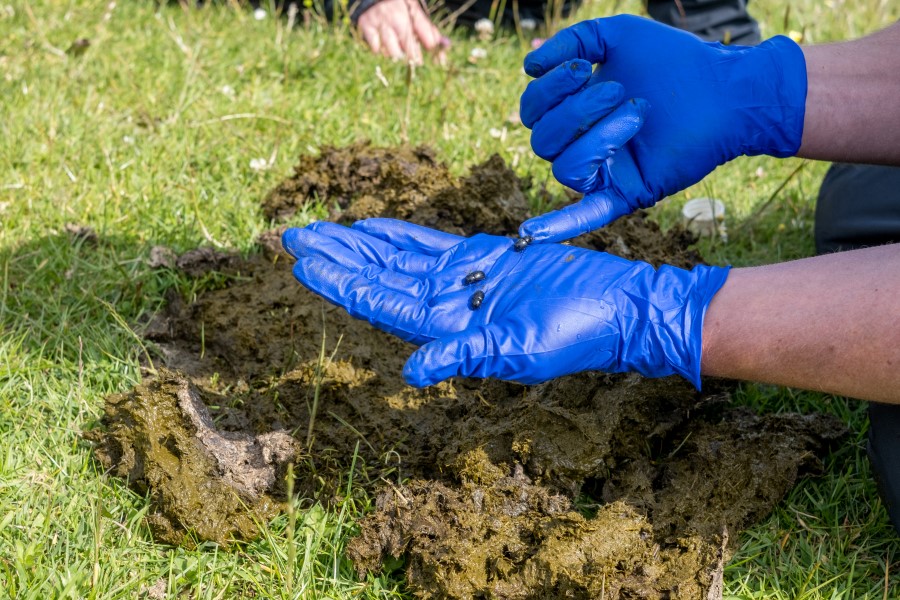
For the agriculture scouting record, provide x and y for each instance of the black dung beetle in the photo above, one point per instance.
(522, 243)
(476, 300)
(473, 277)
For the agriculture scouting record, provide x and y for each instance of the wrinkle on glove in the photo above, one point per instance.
(549, 310)
(700, 105)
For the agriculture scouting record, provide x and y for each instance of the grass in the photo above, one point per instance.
(148, 137)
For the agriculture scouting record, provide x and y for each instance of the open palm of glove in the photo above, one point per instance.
(661, 111)
(546, 311)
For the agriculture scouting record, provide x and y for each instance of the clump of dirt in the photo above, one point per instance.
(84, 233)
(586, 486)
(218, 486)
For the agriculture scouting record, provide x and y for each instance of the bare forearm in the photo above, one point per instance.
(830, 323)
(852, 113)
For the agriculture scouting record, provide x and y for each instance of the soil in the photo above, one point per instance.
(588, 486)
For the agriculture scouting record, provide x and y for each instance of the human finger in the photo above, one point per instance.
(377, 251)
(394, 313)
(466, 353)
(411, 48)
(586, 40)
(307, 243)
(440, 55)
(546, 92)
(590, 213)
(425, 30)
(370, 35)
(409, 43)
(301, 242)
(409, 236)
(574, 116)
(391, 44)
(579, 165)
(482, 351)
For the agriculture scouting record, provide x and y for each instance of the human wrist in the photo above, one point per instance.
(361, 7)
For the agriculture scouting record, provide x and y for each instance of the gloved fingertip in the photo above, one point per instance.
(581, 177)
(414, 372)
(534, 65)
(289, 241)
(643, 106)
(375, 226)
(590, 213)
(624, 122)
(298, 270)
(606, 95)
(540, 62)
(535, 229)
(323, 227)
(414, 380)
(579, 68)
(307, 272)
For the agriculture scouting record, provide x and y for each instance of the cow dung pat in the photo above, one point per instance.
(219, 486)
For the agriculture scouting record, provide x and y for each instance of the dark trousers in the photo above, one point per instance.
(724, 21)
(712, 20)
(858, 207)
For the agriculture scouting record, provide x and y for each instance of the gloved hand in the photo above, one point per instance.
(708, 104)
(546, 311)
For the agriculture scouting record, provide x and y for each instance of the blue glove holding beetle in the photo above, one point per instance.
(692, 106)
(488, 307)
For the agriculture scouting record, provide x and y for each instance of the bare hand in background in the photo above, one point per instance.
(400, 29)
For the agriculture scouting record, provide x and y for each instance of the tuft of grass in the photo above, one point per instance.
(147, 136)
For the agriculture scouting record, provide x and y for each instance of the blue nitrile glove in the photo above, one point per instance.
(708, 104)
(546, 311)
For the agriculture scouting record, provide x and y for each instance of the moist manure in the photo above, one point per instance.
(588, 486)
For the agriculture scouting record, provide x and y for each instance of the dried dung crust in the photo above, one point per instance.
(587, 486)
(217, 485)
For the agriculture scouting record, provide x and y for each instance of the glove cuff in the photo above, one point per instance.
(780, 72)
(664, 332)
(707, 282)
